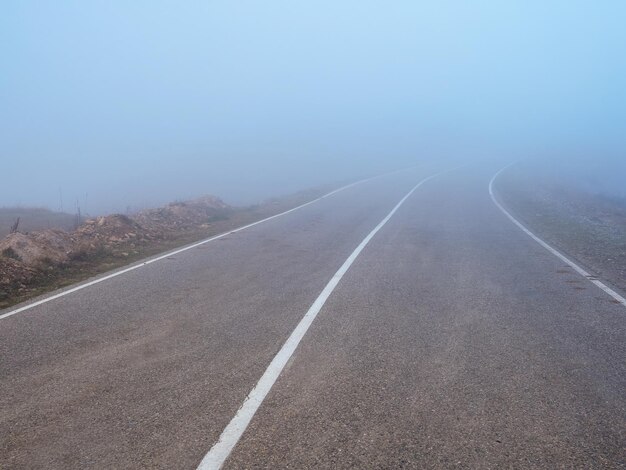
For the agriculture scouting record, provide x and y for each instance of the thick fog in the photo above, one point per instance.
(117, 104)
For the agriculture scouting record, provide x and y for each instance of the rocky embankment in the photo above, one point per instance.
(31, 260)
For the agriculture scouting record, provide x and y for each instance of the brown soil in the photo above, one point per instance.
(47, 246)
(37, 262)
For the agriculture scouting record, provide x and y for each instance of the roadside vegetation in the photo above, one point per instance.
(36, 262)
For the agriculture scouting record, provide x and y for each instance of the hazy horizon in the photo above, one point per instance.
(117, 104)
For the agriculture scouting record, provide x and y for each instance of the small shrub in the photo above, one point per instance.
(217, 218)
(46, 261)
(82, 254)
(88, 254)
(10, 253)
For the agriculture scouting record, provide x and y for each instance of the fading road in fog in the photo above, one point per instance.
(453, 340)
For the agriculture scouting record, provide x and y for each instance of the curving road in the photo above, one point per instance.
(451, 340)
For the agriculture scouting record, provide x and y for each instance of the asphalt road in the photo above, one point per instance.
(453, 341)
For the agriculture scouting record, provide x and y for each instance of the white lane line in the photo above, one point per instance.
(180, 250)
(220, 451)
(556, 253)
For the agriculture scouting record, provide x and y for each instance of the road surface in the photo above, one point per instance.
(453, 340)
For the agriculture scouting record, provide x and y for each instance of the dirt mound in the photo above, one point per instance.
(108, 230)
(208, 202)
(181, 215)
(111, 232)
(47, 246)
(31, 259)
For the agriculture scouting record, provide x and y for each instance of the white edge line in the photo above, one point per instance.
(180, 250)
(556, 253)
(231, 434)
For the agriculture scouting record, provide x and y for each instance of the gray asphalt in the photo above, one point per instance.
(454, 341)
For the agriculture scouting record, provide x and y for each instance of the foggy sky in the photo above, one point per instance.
(117, 103)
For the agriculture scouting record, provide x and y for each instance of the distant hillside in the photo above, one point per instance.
(32, 219)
